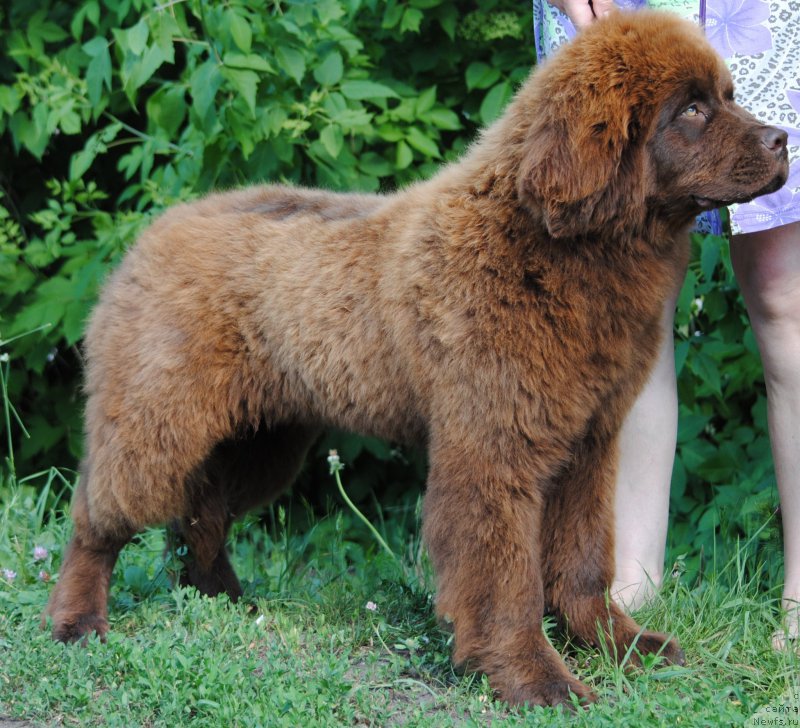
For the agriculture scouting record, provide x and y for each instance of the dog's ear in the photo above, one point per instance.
(580, 164)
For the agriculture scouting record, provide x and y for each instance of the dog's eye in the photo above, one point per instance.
(691, 110)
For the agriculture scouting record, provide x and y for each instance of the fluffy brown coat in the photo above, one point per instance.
(504, 313)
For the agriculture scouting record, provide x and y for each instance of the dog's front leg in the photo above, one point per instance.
(481, 523)
(578, 552)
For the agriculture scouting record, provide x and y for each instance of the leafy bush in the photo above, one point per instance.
(110, 110)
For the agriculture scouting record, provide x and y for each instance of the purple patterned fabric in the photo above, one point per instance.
(779, 208)
(738, 26)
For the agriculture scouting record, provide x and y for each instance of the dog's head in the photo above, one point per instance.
(636, 117)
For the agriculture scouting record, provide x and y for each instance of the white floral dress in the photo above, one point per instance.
(760, 41)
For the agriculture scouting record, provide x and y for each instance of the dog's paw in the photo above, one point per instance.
(551, 692)
(78, 628)
(662, 646)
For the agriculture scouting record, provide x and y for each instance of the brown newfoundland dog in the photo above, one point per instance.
(504, 313)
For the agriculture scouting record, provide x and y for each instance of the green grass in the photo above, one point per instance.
(304, 650)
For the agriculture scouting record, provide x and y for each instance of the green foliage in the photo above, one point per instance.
(110, 110)
(723, 480)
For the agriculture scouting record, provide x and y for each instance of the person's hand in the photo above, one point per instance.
(583, 12)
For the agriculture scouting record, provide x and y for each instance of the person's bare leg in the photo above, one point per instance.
(767, 265)
(646, 455)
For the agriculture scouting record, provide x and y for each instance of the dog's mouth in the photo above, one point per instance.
(709, 203)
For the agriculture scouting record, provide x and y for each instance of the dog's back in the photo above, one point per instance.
(272, 291)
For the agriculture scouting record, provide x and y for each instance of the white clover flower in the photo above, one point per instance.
(371, 606)
(40, 553)
(9, 575)
(334, 461)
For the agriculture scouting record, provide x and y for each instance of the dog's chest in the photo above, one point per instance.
(578, 333)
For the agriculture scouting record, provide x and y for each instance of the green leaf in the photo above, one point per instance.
(95, 144)
(137, 37)
(246, 83)
(481, 75)
(706, 370)
(392, 15)
(686, 295)
(495, 101)
(90, 10)
(422, 143)
(350, 119)
(30, 132)
(360, 90)
(390, 132)
(204, 83)
(135, 578)
(709, 256)
(240, 31)
(328, 11)
(39, 29)
(709, 521)
(95, 45)
(252, 62)
(750, 343)
(9, 99)
(448, 17)
(696, 452)
(75, 314)
(273, 120)
(48, 307)
(412, 18)
(715, 305)
(374, 165)
(426, 100)
(140, 71)
(292, 61)
(98, 74)
(681, 351)
(721, 467)
(678, 480)
(691, 425)
(167, 108)
(403, 155)
(330, 71)
(69, 121)
(332, 139)
(166, 29)
(442, 118)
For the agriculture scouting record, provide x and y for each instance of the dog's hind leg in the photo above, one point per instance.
(128, 482)
(239, 475)
(138, 457)
(578, 555)
(79, 602)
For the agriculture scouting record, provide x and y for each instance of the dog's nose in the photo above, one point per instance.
(774, 139)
